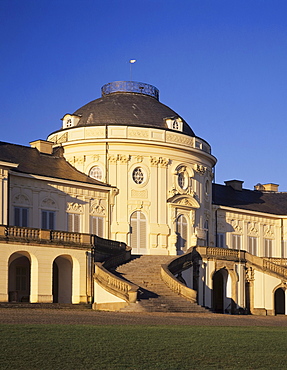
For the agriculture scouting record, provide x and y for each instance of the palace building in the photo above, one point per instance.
(118, 209)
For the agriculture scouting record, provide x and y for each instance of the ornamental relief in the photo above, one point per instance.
(97, 207)
(75, 207)
(236, 226)
(21, 199)
(122, 158)
(163, 162)
(179, 139)
(48, 203)
(252, 230)
(199, 168)
(138, 133)
(268, 232)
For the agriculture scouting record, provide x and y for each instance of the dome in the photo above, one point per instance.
(129, 103)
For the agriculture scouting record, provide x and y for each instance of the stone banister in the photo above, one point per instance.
(114, 284)
(177, 265)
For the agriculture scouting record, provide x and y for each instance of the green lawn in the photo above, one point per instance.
(141, 347)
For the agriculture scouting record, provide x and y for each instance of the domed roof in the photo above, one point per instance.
(128, 103)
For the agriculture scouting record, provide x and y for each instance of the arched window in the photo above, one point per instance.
(138, 232)
(181, 232)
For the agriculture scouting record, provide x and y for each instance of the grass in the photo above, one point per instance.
(141, 347)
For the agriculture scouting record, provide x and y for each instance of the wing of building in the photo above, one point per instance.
(126, 176)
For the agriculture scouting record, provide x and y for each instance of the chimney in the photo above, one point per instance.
(267, 187)
(235, 184)
(42, 146)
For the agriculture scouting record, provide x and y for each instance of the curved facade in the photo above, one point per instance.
(163, 172)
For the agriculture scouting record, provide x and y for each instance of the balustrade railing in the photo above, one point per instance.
(115, 285)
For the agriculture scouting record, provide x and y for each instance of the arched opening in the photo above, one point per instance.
(219, 281)
(279, 301)
(181, 232)
(62, 279)
(138, 232)
(19, 277)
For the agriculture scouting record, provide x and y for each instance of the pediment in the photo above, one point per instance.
(184, 201)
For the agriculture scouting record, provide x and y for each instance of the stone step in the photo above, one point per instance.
(154, 295)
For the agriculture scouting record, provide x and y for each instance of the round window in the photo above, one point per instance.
(96, 173)
(138, 175)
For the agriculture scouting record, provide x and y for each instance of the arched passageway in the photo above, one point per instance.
(219, 281)
(19, 277)
(279, 301)
(62, 279)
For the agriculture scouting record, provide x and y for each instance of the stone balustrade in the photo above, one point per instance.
(174, 284)
(115, 285)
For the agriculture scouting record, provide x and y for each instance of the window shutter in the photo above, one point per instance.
(24, 217)
(51, 220)
(76, 223)
(70, 222)
(44, 220)
(17, 216)
(100, 227)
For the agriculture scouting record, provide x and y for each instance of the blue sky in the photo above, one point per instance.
(221, 64)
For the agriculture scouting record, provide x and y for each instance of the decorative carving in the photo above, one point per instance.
(48, 203)
(173, 192)
(154, 161)
(268, 233)
(123, 158)
(163, 162)
(252, 231)
(138, 133)
(75, 207)
(95, 157)
(236, 227)
(97, 207)
(21, 199)
(180, 139)
(200, 168)
(249, 274)
(112, 158)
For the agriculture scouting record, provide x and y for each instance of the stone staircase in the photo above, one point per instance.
(154, 295)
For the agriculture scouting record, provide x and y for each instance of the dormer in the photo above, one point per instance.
(174, 123)
(70, 120)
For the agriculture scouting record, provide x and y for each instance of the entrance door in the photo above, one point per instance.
(138, 233)
(62, 279)
(19, 278)
(218, 290)
(181, 232)
(279, 298)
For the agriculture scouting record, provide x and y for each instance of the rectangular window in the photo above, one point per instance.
(220, 240)
(74, 222)
(97, 226)
(48, 220)
(252, 245)
(236, 241)
(268, 243)
(21, 216)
